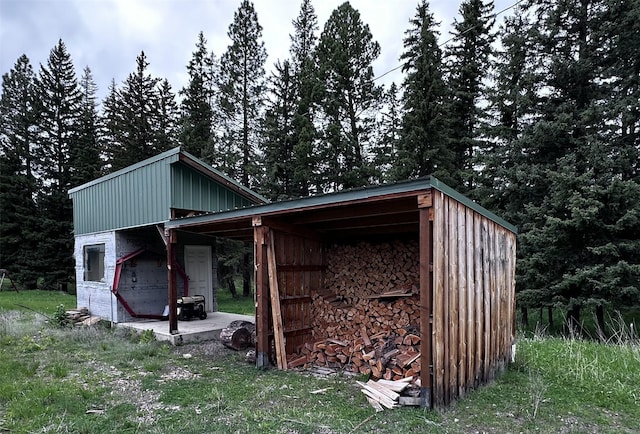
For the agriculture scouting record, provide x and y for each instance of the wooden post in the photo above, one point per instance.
(276, 313)
(426, 296)
(173, 291)
(262, 293)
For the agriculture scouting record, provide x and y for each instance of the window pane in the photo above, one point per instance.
(94, 263)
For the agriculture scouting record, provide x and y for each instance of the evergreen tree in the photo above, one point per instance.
(111, 127)
(423, 148)
(302, 50)
(241, 99)
(468, 65)
(279, 134)
(18, 184)
(197, 135)
(137, 117)
(167, 116)
(389, 128)
(59, 101)
(349, 99)
(86, 163)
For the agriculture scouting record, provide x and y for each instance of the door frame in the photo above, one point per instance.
(208, 295)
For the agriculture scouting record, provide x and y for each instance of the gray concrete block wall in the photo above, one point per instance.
(96, 296)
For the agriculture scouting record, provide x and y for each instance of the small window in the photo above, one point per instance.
(94, 263)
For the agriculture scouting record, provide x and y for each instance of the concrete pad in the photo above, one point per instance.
(195, 330)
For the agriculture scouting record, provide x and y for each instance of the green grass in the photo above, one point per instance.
(101, 380)
(41, 301)
(241, 305)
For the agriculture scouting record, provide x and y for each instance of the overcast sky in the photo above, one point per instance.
(108, 35)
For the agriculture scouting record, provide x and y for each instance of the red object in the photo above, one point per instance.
(116, 284)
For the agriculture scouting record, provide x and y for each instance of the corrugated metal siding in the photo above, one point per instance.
(194, 191)
(134, 198)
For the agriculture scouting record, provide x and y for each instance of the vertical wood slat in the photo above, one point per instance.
(438, 298)
(470, 299)
(446, 307)
(493, 332)
(479, 299)
(486, 293)
(462, 300)
(454, 321)
(275, 303)
(426, 294)
(262, 296)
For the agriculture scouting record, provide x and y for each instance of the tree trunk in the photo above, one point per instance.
(239, 335)
(573, 318)
(550, 311)
(600, 320)
(525, 316)
(246, 275)
(232, 286)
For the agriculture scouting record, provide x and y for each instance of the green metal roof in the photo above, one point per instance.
(341, 197)
(144, 193)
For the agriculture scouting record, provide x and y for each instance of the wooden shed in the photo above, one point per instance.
(434, 264)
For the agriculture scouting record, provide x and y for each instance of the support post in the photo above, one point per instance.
(426, 300)
(262, 293)
(173, 284)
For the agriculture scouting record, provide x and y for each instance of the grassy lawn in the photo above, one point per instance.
(101, 380)
(37, 300)
(241, 305)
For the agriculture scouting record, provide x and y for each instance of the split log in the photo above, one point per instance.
(239, 335)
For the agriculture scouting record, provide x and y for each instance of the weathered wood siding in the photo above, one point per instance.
(473, 298)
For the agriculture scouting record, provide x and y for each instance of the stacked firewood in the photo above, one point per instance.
(365, 319)
(356, 271)
(388, 355)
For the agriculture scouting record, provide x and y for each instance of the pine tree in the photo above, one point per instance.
(167, 118)
(468, 64)
(137, 118)
(349, 99)
(389, 129)
(59, 101)
(303, 44)
(241, 100)
(197, 135)
(423, 148)
(279, 135)
(111, 127)
(18, 183)
(86, 160)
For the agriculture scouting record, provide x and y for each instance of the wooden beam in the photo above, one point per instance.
(173, 285)
(426, 300)
(289, 228)
(262, 297)
(281, 353)
(424, 200)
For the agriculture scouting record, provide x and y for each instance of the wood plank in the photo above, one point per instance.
(261, 279)
(426, 301)
(424, 200)
(486, 294)
(462, 299)
(479, 300)
(453, 300)
(383, 390)
(275, 304)
(439, 277)
(470, 300)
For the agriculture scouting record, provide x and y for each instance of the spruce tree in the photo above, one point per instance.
(197, 115)
(167, 118)
(389, 128)
(303, 44)
(136, 105)
(279, 134)
(59, 101)
(111, 127)
(468, 58)
(18, 183)
(423, 148)
(86, 161)
(241, 96)
(349, 99)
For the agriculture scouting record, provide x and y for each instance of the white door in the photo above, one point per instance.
(197, 265)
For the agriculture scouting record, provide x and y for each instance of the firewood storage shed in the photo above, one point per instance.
(414, 264)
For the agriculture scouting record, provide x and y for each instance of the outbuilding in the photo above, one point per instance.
(120, 241)
(337, 271)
